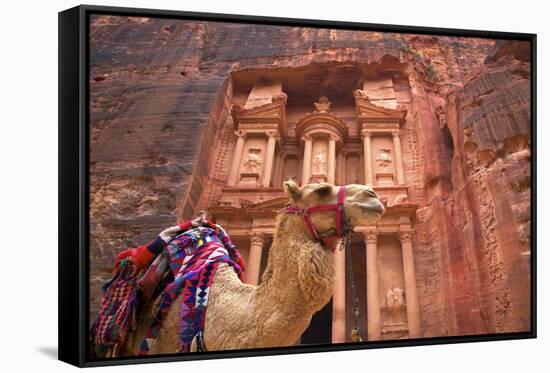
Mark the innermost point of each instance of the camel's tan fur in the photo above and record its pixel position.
(297, 282)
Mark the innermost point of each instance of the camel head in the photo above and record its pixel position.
(361, 204)
(314, 263)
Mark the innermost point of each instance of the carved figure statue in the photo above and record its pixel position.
(253, 160)
(395, 302)
(383, 158)
(319, 163)
(395, 298)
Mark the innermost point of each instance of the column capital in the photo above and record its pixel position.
(306, 138)
(366, 133)
(395, 133)
(257, 238)
(370, 235)
(406, 235)
(273, 133)
(333, 137)
(240, 133)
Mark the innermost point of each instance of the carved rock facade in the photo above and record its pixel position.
(184, 117)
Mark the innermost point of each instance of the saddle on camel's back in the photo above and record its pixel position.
(181, 260)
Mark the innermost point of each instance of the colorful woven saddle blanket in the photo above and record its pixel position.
(182, 248)
(194, 258)
(117, 311)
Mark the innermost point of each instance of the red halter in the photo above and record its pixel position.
(340, 219)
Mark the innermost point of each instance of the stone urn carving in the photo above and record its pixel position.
(323, 105)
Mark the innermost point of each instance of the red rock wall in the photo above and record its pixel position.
(474, 231)
(158, 85)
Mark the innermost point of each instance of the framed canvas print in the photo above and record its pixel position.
(236, 186)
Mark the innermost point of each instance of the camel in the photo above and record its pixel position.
(297, 281)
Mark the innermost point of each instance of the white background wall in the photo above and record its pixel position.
(28, 169)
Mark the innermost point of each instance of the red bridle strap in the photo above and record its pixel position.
(338, 209)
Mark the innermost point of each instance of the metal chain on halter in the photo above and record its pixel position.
(345, 244)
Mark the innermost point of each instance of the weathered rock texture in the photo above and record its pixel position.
(159, 97)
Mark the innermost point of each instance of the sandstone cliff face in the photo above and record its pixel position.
(475, 226)
(158, 85)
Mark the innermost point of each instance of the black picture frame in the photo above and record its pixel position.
(74, 176)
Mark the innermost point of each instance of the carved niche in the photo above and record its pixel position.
(253, 160)
(353, 175)
(251, 167)
(395, 302)
(290, 169)
(352, 169)
(383, 158)
(395, 315)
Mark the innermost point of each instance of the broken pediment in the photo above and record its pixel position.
(270, 113)
(369, 112)
(272, 204)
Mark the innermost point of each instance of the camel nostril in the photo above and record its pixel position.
(378, 207)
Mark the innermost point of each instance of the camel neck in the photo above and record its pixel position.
(292, 247)
(290, 233)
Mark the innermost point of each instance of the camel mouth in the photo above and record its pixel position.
(376, 208)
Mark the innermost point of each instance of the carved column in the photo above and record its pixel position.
(276, 163)
(411, 293)
(344, 171)
(367, 153)
(306, 171)
(398, 159)
(339, 298)
(340, 169)
(254, 262)
(270, 152)
(279, 166)
(234, 171)
(373, 292)
(331, 177)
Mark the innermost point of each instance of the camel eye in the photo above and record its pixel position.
(371, 193)
(324, 190)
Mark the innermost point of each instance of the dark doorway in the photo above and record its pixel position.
(320, 328)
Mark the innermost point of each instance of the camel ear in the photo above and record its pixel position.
(292, 190)
(324, 190)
